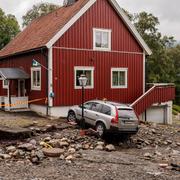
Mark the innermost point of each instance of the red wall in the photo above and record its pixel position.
(80, 35)
(25, 62)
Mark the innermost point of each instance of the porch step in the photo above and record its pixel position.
(20, 110)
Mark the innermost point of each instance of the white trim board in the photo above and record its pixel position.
(120, 12)
(70, 23)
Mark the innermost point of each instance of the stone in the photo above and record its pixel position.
(78, 146)
(86, 146)
(62, 157)
(27, 146)
(63, 144)
(40, 155)
(54, 143)
(163, 165)
(33, 142)
(52, 152)
(71, 150)
(16, 154)
(110, 147)
(158, 153)
(178, 144)
(175, 152)
(34, 160)
(5, 156)
(100, 143)
(70, 157)
(147, 155)
(10, 149)
(99, 147)
(47, 139)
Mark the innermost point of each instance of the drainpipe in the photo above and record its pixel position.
(47, 81)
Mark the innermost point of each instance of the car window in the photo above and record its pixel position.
(106, 110)
(127, 113)
(88, 105)
(96, 107)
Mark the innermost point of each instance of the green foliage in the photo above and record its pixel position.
(37, 11)
(176, 108)
(9, 28)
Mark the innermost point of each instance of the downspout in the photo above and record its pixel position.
(47, 82)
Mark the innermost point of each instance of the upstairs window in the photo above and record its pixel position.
(88, 72)
(36, 78)
(102, 39)
(119, 77)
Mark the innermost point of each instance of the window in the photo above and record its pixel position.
(96, 107)
(106, 110)
(88, 72)
(119, 77)
(5, 84)
(101, 39)
(36, 78)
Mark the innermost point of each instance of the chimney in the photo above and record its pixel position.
(69, 2)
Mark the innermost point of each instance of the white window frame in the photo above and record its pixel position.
(84, 68)
(94, 39)
(5, 86)
(36, 88)
(126, 78)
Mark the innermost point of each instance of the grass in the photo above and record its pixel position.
(176, 109)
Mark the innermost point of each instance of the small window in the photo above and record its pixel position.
(36, 78)
(96, 107)
(119, 78)
(88, 72)
(101, 39)
(5, 84)
(106, 110)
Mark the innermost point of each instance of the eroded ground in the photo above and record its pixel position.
(154, 153)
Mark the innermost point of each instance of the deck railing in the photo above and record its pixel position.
(157, 93)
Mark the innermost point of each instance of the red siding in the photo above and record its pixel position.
(80, 35)
(25, 62)
(158, 94)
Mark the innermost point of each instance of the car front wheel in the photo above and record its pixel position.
(71, 117)
(100, 128)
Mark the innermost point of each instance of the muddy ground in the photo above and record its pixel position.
(154, 153)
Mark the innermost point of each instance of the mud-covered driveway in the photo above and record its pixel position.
(154, 153)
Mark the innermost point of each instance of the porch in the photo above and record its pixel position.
(155, 105)
(15, 96)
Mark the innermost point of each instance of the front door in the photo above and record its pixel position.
(21, 88)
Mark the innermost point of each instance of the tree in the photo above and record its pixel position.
(160, 67)
(9, 28)
(37, 11)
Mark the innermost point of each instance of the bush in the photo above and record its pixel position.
(176, 108)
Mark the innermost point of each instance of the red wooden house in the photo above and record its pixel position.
(93, 37)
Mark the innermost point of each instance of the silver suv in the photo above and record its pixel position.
(106, 116)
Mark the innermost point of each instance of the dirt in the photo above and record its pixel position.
(146, 155)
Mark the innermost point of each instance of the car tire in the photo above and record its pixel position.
(101, 129)
(71, 117)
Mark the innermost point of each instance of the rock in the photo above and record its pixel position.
(54, 143)
(169, 141)
(110, 147)
(40, 155)
(62, 157)
(35, 160)
(78, 146)
(163, 165)
(178, 144)
(100, 143)
(47, 139)
(71, 150)
(27, 146)
(158, 153)
(10, 149)
(153, 131)
(175, 152)
(147, 155)
(5, 156)
(86, 146)
(70, 157)
(33, 142)
(52, 152)
(16, 154)
(63, 144)
(99, 147)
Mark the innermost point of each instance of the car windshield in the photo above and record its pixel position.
(127, 114)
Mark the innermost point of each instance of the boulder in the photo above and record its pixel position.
(27, 146)
(110, 147)
(52, 152)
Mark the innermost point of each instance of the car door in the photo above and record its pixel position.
(93, 113)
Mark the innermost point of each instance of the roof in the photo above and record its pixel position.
(46, 30)
(13, 73)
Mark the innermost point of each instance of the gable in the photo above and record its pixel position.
(100, 15)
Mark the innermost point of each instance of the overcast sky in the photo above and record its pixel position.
(166, 10)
